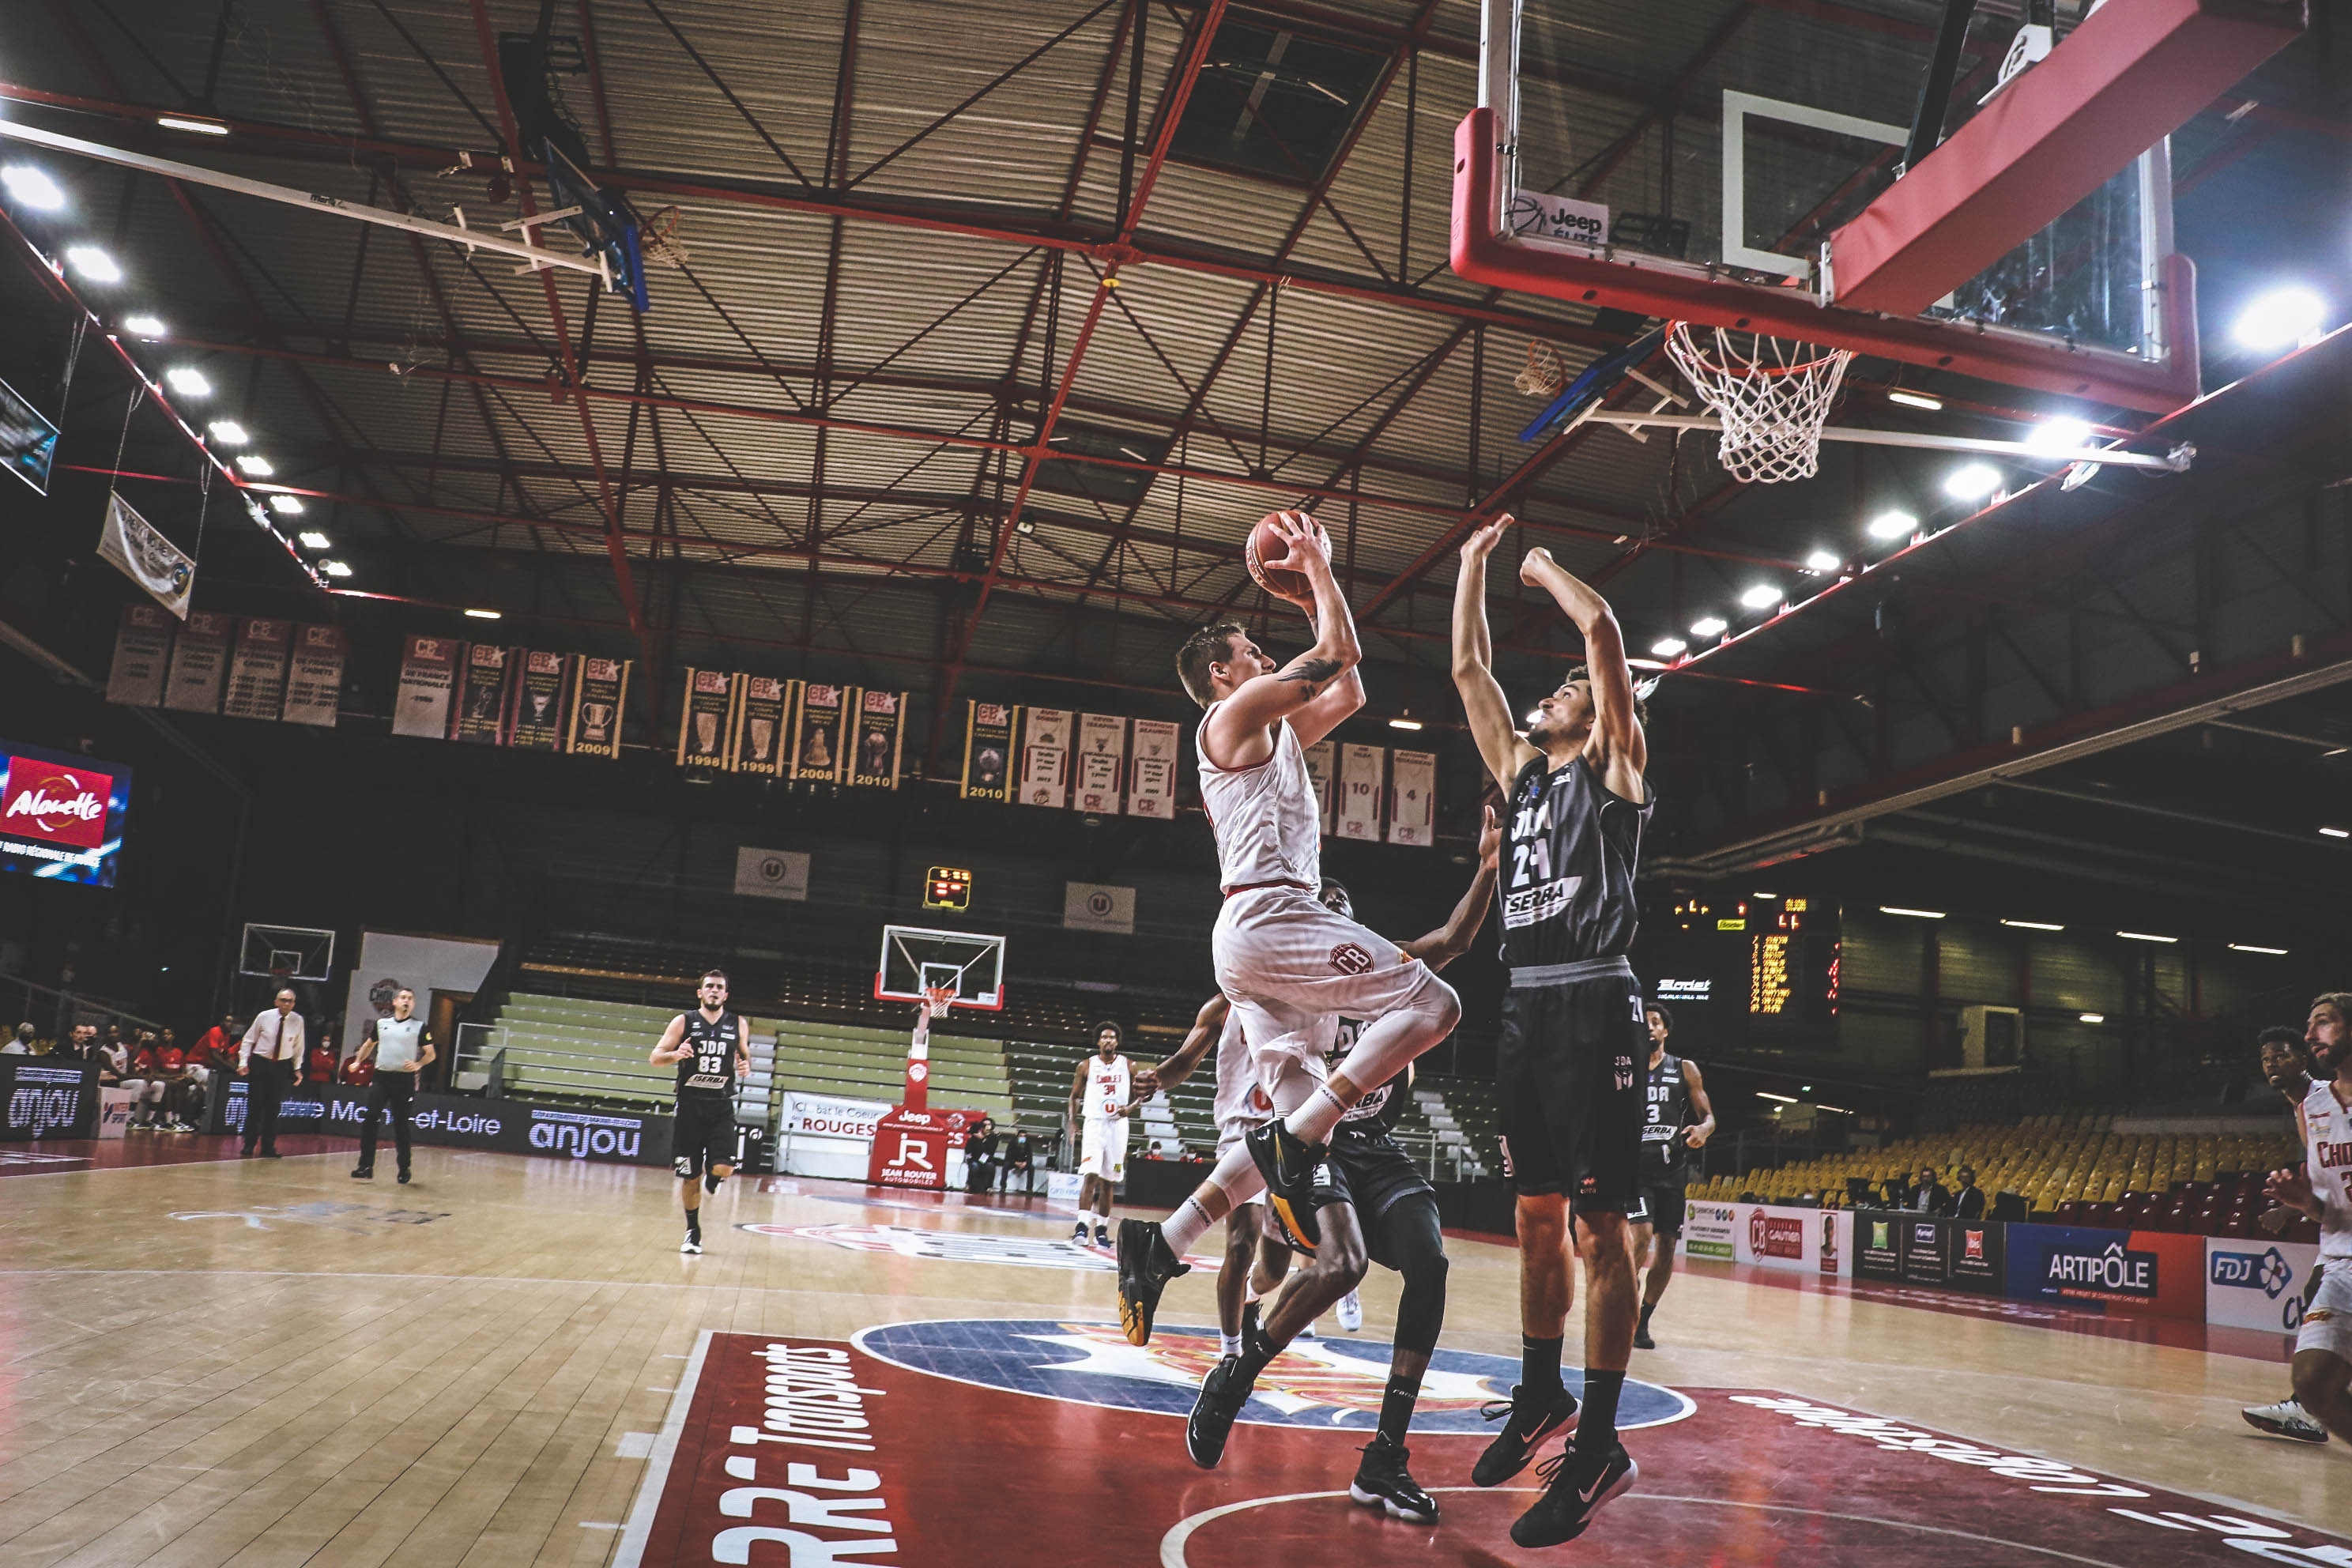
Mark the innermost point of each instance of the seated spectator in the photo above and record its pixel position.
(1156, 1152)
(1018, 1156)
(1930, 1195)
(151, 1082)
(1969, 1202)
(21, 1045)
(82, 1046)
(980, 1156)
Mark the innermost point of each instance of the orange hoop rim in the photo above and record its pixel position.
(1827, 355)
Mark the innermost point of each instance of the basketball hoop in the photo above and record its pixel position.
(937, 1000)
(1773, 397)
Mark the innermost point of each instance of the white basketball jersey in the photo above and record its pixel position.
(1238, 1098)
(1107, 1085)
(1267, 824)
(2327, 1143)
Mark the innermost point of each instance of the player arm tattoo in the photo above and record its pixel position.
(1311, 670)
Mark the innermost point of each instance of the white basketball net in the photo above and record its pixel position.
(937, 998)
(1772, 396)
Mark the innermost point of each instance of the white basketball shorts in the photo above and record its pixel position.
(1293, 969)
(2327, 1321)
(1102, 1149)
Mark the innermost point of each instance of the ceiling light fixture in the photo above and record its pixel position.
(200, 127)
(228, 431)
(1404, 721)
(1916, 400)
(2335, 833)
(1972, 481)
(1892, 525)
(188, 383)
(93, 264)
(2057, 437)
(285, 506)
(32, 187)
(1823, 561)
(260, 467)
(2281, 318)
(143, 326)
(1709, 626)
(2257, 947)
(1915, 914)
(314, 540)
(1668, 647)
(1783, 1099)
(2092, 1017)
(1762, 597)
(335, 568)
(485, 614)
(2032, 925)
(2146, 936)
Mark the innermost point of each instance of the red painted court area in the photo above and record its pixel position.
(801, 1451)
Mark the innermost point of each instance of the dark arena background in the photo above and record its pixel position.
(526, 502)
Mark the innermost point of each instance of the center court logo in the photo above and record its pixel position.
(1320, 1383)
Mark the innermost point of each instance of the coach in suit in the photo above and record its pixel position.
(269, 1058)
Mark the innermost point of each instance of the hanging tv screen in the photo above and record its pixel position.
(28, 442)
(62, 817)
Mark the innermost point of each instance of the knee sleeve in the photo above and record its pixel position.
(1438, 1002)
(1416, 1247)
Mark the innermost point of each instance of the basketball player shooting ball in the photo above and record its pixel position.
(1572, 1096)
(1289, 965)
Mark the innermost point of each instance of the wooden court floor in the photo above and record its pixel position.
(267, 1363)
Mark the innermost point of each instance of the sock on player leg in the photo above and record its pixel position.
(1396, 1406)
(1229, 1345)
(1381, 1052)
(1596, 1428)
(1539, 1363)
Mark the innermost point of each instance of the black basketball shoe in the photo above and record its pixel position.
(1145, 1266)
(1527, 1419)
(1287, 1163)
(1222, 1394)
(1575, 1486)
(1642, 1339)
(1382, 1481)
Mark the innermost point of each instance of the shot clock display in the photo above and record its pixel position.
(947, 888)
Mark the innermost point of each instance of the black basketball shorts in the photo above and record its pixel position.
(1370, 1173)
(1664, 1203)
(1572, 1091)
(702, 1135)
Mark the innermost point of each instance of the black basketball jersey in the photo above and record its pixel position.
(1662, 1145)
(1568, 868)
(1375, 1115)
(710, 1072)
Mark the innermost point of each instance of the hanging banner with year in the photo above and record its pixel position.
(988, 750)
(881, 734)
(817, 734)
(706, 720)
(1151, 772)
(598, 695)
(143, 651)
(314, 676)
(428, 678)
(1045, 756)
(481, 715)
(767, 706)
(1358, 810)
(1102, 763)
(1412, 798)
(539, 684)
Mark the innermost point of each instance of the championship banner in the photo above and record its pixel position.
(540, 680)
(199, 664)
(1151, 776)
(766, 710)
(256, 674)
(988, 750)
(1045, 756)
(1322, 765)
(1102, 760)
(594, 729)
(1358, 808)
(817, 732)
(130, 543)
(143, 652)
(705, 721)
(881, 736)
(314, 676)
(1412, 798)
(428, 677)
(481, 716)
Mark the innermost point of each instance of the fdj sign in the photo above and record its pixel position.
(2268, 1271)
(2115, 1270)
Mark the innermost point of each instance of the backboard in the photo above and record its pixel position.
(915, 957)
(2031, 245)
(287, 952)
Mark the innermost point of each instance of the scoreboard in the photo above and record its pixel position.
(1758, 971)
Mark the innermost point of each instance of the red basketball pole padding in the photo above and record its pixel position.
(1689, 293)
(2131, 74)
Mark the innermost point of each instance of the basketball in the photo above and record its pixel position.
(1265, 552)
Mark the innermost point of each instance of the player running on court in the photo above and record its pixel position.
(2322, 1189)
(1287, 964)
(712, 1050)
(1679, 1120)
(1570, 1092)
(1373, 1205)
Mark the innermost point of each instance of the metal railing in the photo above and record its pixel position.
(54, 1013)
